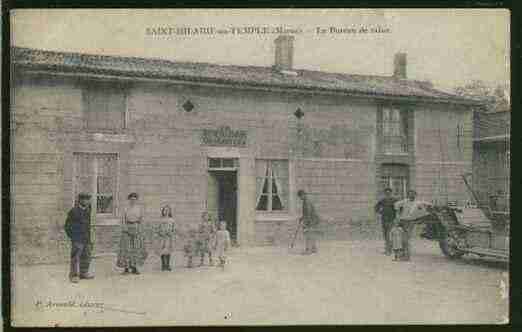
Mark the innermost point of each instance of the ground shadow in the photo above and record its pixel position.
(466, 260)
(484, 262)
(470, 259)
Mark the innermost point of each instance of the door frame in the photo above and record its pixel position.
(237, 170)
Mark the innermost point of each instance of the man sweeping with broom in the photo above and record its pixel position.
(310, 222)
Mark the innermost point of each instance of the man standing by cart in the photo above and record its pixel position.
(310, 221)
(409, 210)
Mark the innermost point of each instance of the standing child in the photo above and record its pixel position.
(206, 234)
(222, 243)
(190, 246)
(165, 234)
(396, 234)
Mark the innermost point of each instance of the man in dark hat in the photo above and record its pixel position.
(78, 229)
(385, 207)
(310, 221)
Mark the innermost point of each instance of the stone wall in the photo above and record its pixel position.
(442, 152)
(40, 110)
(331, 152)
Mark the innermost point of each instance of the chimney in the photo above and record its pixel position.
(399, 66)
(284, 52)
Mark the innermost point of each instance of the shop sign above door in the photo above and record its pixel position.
(224, 136)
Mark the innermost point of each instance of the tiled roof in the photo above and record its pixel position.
(228, 74)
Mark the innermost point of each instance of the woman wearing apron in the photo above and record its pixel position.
(132, 252)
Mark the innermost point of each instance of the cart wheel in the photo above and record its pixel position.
(448, 245)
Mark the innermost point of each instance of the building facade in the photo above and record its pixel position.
(491, 158)
(236, 141)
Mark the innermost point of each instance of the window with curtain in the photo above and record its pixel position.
(104, 106)
(394, 131)
(272, 185)
(96, 174)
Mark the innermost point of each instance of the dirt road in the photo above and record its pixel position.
(346, 283)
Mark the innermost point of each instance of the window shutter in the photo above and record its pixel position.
(105, 106)
(380, 130)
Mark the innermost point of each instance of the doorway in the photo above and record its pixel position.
(222, 199)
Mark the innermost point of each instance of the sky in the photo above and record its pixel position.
(449, 47)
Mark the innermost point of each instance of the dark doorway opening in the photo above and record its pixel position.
(223, 199)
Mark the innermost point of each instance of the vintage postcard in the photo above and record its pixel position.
(260, 167)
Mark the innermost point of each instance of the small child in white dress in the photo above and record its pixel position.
(222, 243)
(396, 234)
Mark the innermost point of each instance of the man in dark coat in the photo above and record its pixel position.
(385, 207)
(310, 221)
(78, 229)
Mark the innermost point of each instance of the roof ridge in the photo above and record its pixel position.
(131, 57)
(271, 68)
(53, 60)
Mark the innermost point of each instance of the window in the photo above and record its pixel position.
(223, 163)
(272, 185)
(104, 107)
(395, 176)
(394, 131)
(96, 174)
